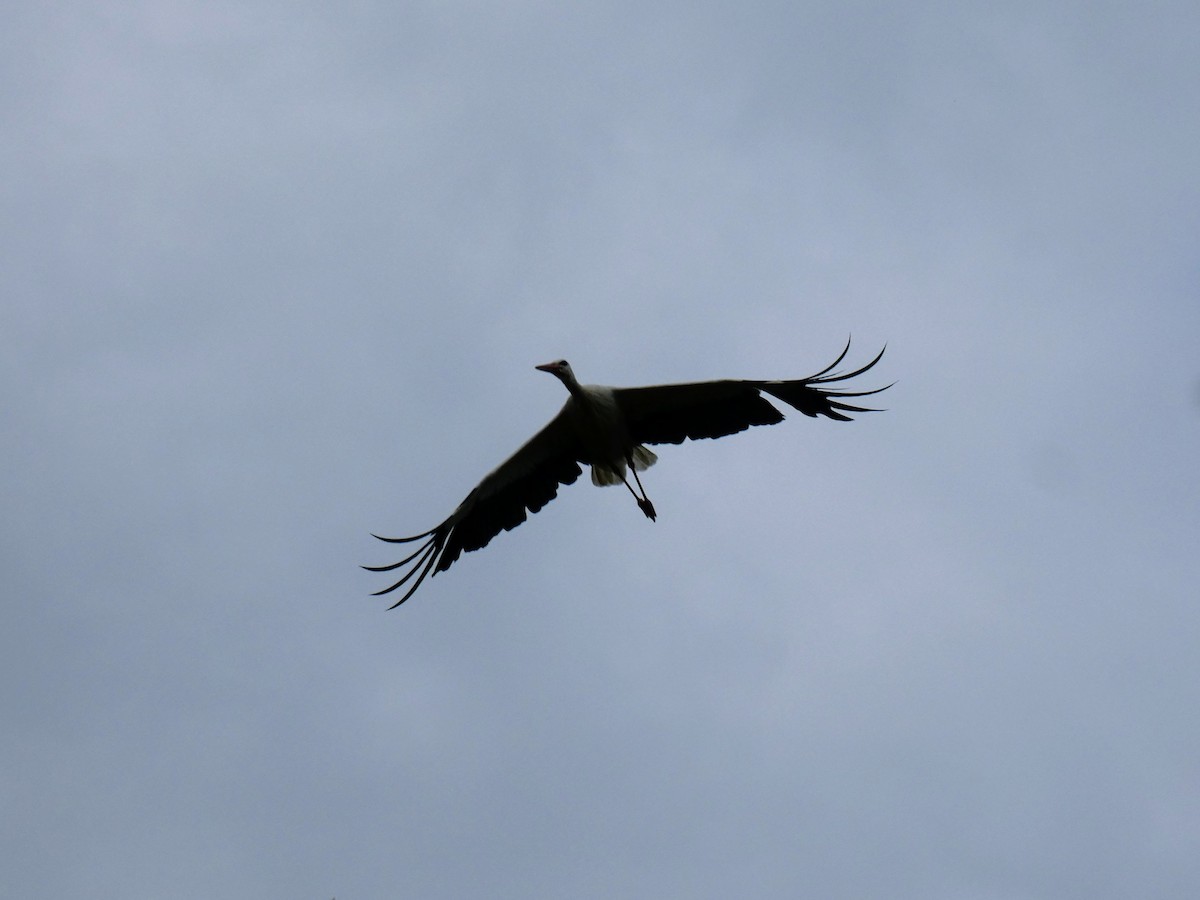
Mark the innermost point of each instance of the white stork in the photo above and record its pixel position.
(606, 428)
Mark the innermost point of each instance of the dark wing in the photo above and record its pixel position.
(527, 480)
(672, 413)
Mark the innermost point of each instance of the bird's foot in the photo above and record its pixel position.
(647, 507)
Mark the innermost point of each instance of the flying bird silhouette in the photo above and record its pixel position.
(607, 428)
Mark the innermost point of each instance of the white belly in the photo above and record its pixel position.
(601, 429)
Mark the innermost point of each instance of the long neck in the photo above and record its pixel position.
(572, 385)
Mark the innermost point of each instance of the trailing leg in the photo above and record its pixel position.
(643, 501)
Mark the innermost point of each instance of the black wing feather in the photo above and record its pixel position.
(526, 481)
(811, 397)
(672, 413)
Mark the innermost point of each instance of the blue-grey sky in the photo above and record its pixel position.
(275, 276)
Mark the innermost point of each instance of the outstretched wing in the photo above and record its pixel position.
(672, 413)
(527, 480)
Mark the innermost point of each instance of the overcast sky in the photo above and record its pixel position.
(275, 276)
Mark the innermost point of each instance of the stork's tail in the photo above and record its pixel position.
(606, 475)
(642, 458)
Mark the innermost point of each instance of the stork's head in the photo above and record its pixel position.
(560, 369)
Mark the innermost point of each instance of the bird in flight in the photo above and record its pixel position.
(607, 429)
